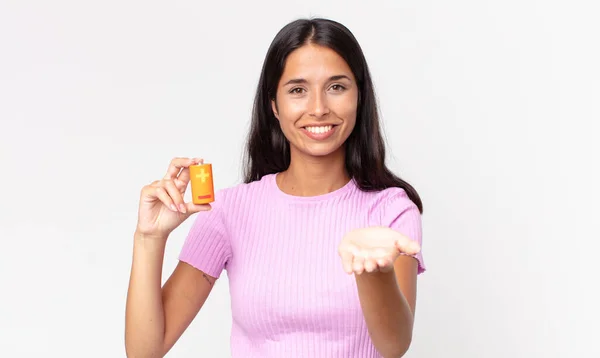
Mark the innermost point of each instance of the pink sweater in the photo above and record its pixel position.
(289, 294)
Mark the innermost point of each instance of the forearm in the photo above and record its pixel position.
(387, 313)
(144, 318)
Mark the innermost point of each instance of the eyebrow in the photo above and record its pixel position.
(302, 80)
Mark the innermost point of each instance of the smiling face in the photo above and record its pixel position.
(316, 101)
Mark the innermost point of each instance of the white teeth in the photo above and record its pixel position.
(320, 129)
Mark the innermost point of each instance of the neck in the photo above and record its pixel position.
(312, 176)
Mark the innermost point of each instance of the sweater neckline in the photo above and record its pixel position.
(272, 178)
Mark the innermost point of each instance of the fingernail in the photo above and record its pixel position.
(173, 207)
(182, 208)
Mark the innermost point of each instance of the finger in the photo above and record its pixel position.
(176, 165)
(175, 195)
(358, 265)
(148, 193)
(383, 262)
(165, 198)
(385, 265)
(182, 181)
(370, 265)
(192, 208)
(346, 261)
(408, 246)
(184, 176)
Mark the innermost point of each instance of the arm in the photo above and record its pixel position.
(388, 303)
(156, 317)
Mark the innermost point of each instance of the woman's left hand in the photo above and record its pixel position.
(374, 249)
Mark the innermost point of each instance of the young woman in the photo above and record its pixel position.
(321, 243)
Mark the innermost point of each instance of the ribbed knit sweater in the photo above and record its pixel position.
(290, 296)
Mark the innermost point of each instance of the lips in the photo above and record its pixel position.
(321, 132)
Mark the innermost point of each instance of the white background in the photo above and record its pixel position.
(490, 109)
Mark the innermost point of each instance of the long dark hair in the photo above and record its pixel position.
(267, 149)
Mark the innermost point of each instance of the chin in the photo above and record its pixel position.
(321, 150)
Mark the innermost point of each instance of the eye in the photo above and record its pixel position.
(338, 87)
(296, 90)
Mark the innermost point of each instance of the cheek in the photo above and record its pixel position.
(346, 108)
(345, 104)
(290, 112)
(292, 108)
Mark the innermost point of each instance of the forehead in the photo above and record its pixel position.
(314, 62)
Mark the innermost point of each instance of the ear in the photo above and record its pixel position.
(274, 107)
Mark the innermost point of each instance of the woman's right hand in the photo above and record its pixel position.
(161, 207)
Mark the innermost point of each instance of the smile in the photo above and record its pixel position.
(319, 132)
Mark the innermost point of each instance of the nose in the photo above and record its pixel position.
(318, 105)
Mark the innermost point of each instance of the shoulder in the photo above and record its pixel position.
(390, 201)
(390, 207)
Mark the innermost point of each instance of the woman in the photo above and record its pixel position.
(321, 243)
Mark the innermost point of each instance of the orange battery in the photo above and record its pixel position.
(201, 180)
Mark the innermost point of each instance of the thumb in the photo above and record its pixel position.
(192, 208)
(408, 246)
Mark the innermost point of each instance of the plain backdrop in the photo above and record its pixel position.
(490, 110)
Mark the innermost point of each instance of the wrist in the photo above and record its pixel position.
(148, 251)
(377, 276)
(143, 238)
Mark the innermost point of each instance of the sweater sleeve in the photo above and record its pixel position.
(207, 245)
(401, 214)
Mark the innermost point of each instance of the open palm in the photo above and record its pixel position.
(373, 249)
